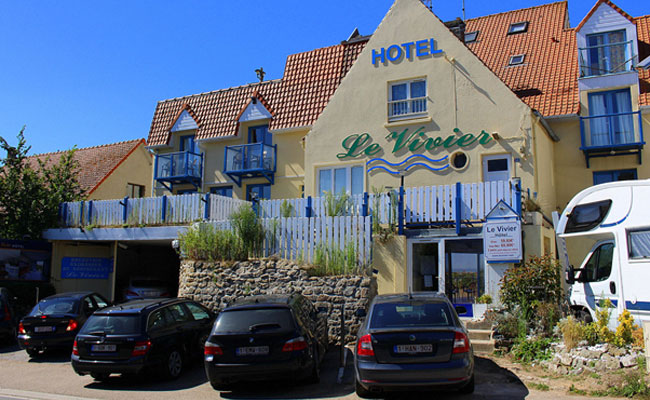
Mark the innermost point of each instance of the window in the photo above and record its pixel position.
(187, 143)
(134, 191)
(606, 53)
(517, 60)
(407, 99)
(471, 37)
(518, 27)
(225, 191)
(259, 134)
(611, 121)
(157, 320)
(258, 192)
(101, 303)
(638, 243)
(197, 311)
(613, 176)
(599, 266)
(587, 216)
(344, 179)
(179, 313)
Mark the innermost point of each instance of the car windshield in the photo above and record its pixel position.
(397, 315)
(124, 324)
(255, 320)
(59, 305)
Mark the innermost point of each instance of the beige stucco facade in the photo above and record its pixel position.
(135, 169)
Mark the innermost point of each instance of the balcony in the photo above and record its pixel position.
(612, 135)
(250, 161)
(182, 167)
(410, 108)
(605, 59)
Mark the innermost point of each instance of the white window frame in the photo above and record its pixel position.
(518, 27)
(520, 57)
(348, 178)
(409, 101)
(471, 37)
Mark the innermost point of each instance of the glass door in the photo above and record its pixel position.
(424, 268)
(464, 271)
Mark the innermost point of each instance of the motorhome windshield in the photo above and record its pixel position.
(587, 216)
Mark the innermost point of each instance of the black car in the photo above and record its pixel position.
(264, 338)
(8, 318)
(128, 338)
(55, 320)
(412, 341)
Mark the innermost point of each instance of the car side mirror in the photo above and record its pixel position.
(460, 310)
(570, 275)
(360, 313)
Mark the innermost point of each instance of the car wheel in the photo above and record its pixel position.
(361, 391)
(174, 364)
(314, 376)
(469, 387)
(584, 316)
(32, 352)
(100, 376)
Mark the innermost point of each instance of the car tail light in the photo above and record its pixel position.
(7, 314)
(461, 343)
(141, 348)
(72, 325)
(166, 294)
(295, 344)
(21, 329)
(212, 349)
(364, 347)
(75, 349)
(43, 316)
(132, 293)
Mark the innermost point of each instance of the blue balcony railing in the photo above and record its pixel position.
(606, 59)
(250, 161)
(182, 167)
(612, 134)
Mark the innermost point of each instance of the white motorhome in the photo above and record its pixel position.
(610, 223)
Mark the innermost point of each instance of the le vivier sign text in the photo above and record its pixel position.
(362, 144)
(395, 52)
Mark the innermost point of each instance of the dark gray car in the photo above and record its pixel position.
(412, 341)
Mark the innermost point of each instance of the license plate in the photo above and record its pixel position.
(414, 348)
(252, 351)
(40, 329)
(103, 347)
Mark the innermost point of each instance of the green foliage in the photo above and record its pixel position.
(248, 227)
(532, 284)
(30, 195)
(634, 385)
(381, 232)
(331, 260)
(484, 299)
(511, 324)
(532, 349)
(336, 205)
(204, 242)
(572, 331)
(286, 209)
(625, 329)
(542, 387)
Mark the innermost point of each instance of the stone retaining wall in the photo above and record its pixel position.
(216, 284)
(599, 358)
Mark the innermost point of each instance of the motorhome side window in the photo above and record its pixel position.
(599, 266)
(587, 216)
(638, 243)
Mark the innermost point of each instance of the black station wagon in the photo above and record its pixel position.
(142, 334)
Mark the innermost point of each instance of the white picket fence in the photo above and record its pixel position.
(298, 238)
(147, 211)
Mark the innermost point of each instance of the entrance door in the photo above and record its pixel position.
(496, 168)
(424, 268)
(464, 271)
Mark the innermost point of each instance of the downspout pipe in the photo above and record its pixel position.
(546, 126)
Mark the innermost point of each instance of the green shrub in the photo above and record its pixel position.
(484, 299)
(510, 324)
(331, 260)
(634, 384)
(532, 349)
(572, 331)
(286, 209)
(248, 227)
(204, 242)
(336, 205)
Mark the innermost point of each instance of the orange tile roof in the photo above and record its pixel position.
(595, 7)
(95, 163)
(643, 32)
(547, 81)
(296, 100)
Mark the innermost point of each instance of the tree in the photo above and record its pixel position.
(30, 198)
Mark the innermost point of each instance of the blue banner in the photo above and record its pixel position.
(86, 267)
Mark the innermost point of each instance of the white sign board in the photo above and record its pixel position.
(502, 241)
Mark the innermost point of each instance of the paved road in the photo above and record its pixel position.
(50, 377)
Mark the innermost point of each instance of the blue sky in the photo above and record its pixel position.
(87, 73)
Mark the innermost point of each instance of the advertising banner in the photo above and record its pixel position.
(502, 241)
(86, 267)
(25, 260)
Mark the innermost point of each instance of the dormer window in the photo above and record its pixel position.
(471, 37)
(518, 27)
(517, 60)
(606, 53)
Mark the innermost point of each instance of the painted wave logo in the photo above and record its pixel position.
(431, 165)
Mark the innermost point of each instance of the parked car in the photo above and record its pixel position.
(128, 338)
(146, 288)
(412, 341)
(8, 317)
(55, 320)
(264, 338)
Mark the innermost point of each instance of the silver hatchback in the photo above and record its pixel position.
(412, 341)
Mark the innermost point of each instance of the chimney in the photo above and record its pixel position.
(457, 27)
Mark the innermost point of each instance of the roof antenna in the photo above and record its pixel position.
(463, 10)
(260, 74)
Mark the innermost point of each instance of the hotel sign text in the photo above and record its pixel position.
(395, 52)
